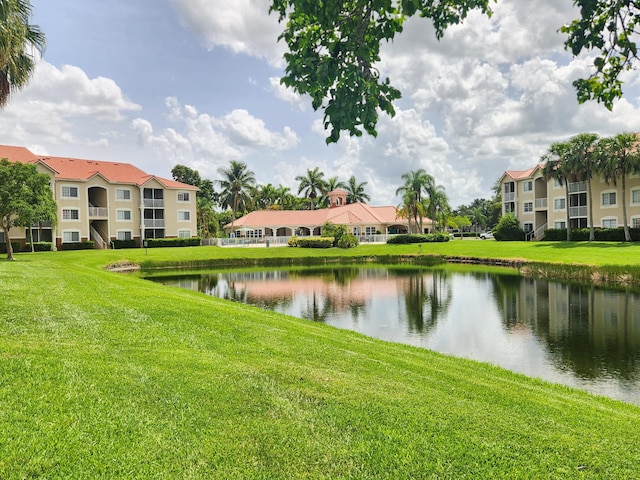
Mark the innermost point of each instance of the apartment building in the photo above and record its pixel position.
(106, 201)
(541, 204)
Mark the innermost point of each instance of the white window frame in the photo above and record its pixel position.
(527, 186)
(527, 227)
(527, 207)
(609, 219)
(71, 232)
(254, 233)
(184, 233)
(124, 234)
(124, 211)
(635, 191)
(123, 191)
(608, 193)
(182, 194)
(560, 224)
(561, 199)
(76, 210)
(184, 215)
(68, 189)
(357, 231)
(370, 230)
(635, 222)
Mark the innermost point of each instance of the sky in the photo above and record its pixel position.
(157, 83)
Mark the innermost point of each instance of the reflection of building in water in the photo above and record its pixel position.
(593, 330)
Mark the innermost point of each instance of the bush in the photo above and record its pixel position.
(293, 242)
(582, 234)
(84, 245)
(173, 242)
(124, 244)
(418, 238)
(337, 232)
(347, 241)
(315, 242)
(41, 246)
(508, 229)
(17, 246)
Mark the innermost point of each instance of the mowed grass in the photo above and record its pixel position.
(105, 375)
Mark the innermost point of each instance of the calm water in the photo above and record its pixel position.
(579, 336)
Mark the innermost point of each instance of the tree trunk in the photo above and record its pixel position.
(627, 233)
(566, 190)
(592, 231)
(5, 229)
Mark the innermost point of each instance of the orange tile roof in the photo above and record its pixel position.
(81, 170)
(521, 174)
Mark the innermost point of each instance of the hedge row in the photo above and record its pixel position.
(311, 242)
(84, 245)
(419, 238)
(173, 242)
(124, 244)
(582, 234)
(16, 247)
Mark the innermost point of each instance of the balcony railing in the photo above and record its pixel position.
(98, 212)
(154, 203)
(577, 212)
(541, 203)
(153, 223)
(508, 197)
(577, 187)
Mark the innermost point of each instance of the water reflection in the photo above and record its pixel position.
(580, 336)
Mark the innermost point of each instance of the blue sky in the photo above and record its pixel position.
(161, 82)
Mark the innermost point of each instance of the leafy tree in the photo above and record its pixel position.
(206, 196)
(236, 182)
(17, 38)
(334, 48)
(508, 229)
(25, 198)
(620, 157)
(184, 174)
(458, 222)
(312, 185)
(355, 191)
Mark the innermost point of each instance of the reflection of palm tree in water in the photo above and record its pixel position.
(425, 301)
(319, 309)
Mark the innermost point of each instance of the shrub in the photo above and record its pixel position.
(173, 242)
(16, 247)
(347, 241)
(315, 242)
(41, 246)
(293, 242)
(418, 238)
(582, 234)
(124, 244)
(84, 245)
(335, 231)
(508, 229)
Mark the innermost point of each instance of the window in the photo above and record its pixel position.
(635, 196)
(70, 236)
(556, 183)
(184, 215)
(370, 230)
(527, 207)
(123, 194)
(70, 214)
(123, 215)
(527, 186)
(252, 233)
(559, 204)
(527, 227)
(609, 223)
(609, 199)
(124, 235)
(184, 233)
(559, 224)
(183, 196)
(635, 222)
(69, 192)
(357, 231)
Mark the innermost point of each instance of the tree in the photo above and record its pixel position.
(206, 196)
(25, 198)
(508, 229)
(334, 48)
(416, 183)
(620, 158)
(312, 185)
(583, 157)
(332, 184)
(184, 174)
(236, 182)
(558, 168)
(355, 191)
(17, 38)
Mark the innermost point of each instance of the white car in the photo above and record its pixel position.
(486, 235)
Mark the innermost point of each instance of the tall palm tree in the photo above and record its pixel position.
(416, 184)
(313, 185)
(18, 38)
(236, 183)
(583, 159)
(355, 191)
(558, 167)
(621, 157)
(439, 208)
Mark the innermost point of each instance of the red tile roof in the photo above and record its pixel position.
(81, 170)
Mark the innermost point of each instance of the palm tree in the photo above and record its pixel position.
(313, 185)
(236, 184)
(17, 38)
(355, 191)
(439, 208)
(558, 168)
(416, 183)
(332, 184)
(620, 158)
(583, 159)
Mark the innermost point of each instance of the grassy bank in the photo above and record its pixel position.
(107, 375)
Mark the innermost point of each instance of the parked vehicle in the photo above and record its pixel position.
(486, 235)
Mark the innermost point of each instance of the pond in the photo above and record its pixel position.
(579, 336)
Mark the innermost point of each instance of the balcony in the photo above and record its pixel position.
(508, 197)
(153, 223)
(154, 202)
(577, 187)
(98, 212)
(577, 212)
(541, 203)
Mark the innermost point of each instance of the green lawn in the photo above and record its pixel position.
(105, 375)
